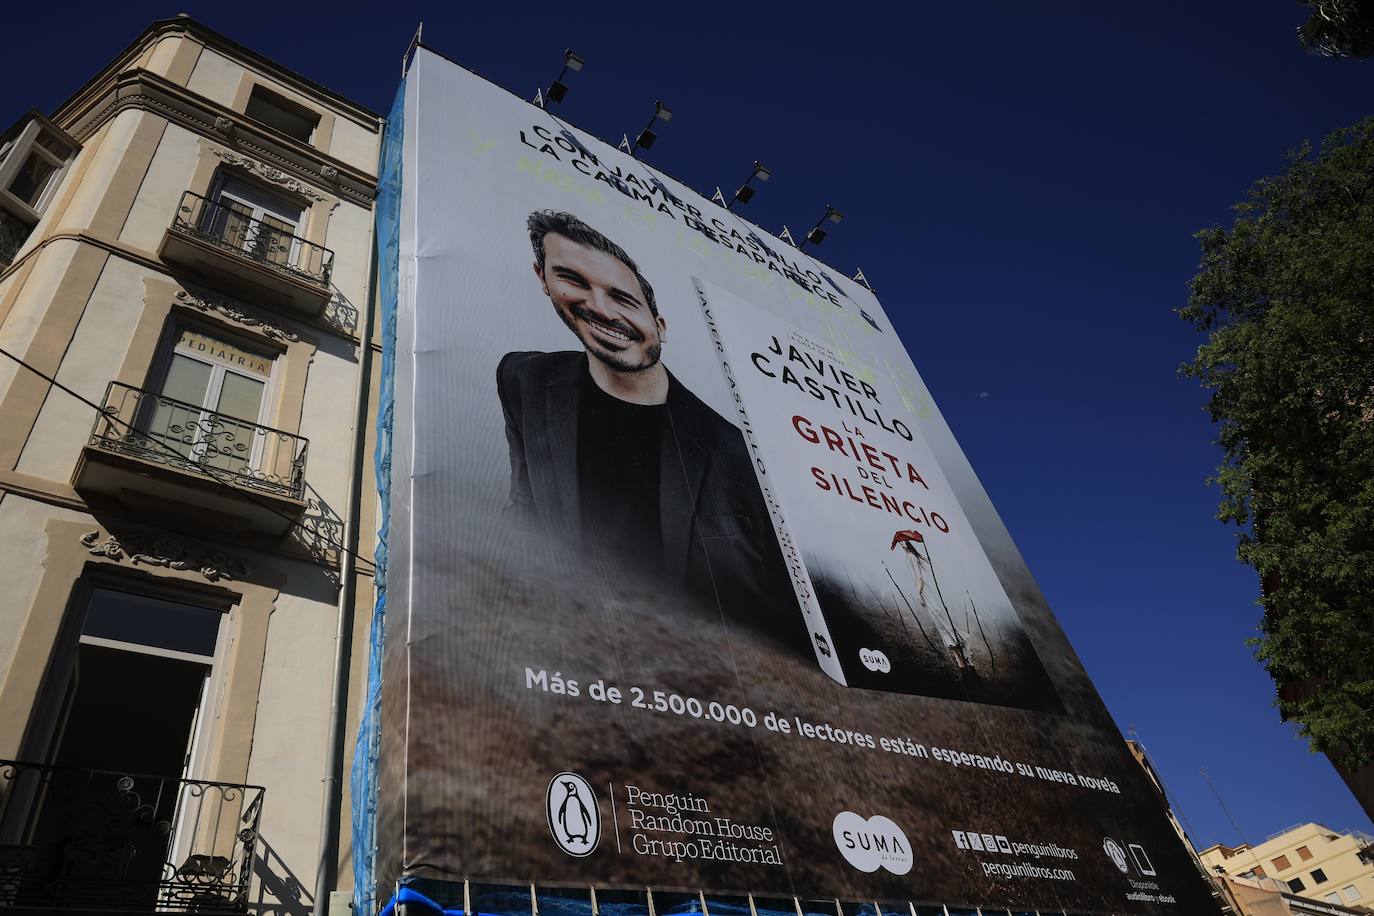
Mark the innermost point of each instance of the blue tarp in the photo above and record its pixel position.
(363, 780)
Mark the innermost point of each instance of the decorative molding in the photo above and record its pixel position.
(224, 125)
(274, 175)
(168, 552)
(236, 315)
(329, 173)
(139, 89)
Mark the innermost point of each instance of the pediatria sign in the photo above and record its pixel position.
(690, 585)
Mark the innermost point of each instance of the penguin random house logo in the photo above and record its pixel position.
(872, 843)
(1114, 852)
(574, 815)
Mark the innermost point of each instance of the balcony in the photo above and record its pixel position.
(165, 457)
(260, 262)
(122, 842)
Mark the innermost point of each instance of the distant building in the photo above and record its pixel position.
(1307, 860)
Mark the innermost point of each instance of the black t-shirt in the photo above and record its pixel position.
(618, 475)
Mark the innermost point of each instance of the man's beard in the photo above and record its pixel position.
(616, 359)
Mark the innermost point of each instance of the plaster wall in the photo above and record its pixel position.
(355, 145)
(100, 173)
(350, 238)
(23, 320)
(163, 53)
(216, 77)
(288, 746)
(22, 549)
(92, 360)
(326, 420)
(159, 195)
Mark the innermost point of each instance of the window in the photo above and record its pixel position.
(1352, 893)
(1280, 863)
(1304, 853)
(128, 691)
(33, 154)
(264, 225)
(1296, 886)
(214, 396)
(280, 113)
(1318, 876)
(1333, 898)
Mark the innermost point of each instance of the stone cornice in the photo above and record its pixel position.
(185, 25)
(146, 91)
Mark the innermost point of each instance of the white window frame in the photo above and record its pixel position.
(173, 345)
(15, 154)
(196, 759)
(260, 201)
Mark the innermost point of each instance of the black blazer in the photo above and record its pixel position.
(718, 541)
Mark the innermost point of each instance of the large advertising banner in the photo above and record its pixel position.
(689, 585)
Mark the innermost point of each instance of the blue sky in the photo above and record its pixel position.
(1020, 183)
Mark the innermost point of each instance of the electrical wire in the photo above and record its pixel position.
(206, 470)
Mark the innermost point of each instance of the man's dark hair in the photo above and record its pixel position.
(542, 222)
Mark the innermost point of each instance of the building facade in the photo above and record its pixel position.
(185, 272)
(1306, 860)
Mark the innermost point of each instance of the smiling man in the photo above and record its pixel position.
(613, 452)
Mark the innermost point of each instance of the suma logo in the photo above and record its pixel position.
(875, 660)
(574, 816)
(872, 843)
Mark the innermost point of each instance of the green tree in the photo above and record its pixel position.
(1339, 28)
(1286, 299)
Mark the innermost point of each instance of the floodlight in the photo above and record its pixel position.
(558, 89)
(746, 193)
(647, 136)
(817, 234)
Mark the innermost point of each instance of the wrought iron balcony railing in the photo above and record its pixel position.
(233, 229)
(93, 839)
(162, 430)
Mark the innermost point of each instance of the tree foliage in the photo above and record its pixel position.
(1286, 299)
(1339, 28)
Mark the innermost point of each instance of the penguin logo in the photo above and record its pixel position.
(574, 815)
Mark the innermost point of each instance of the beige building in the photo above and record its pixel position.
(186, 244)
(1306, 860)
